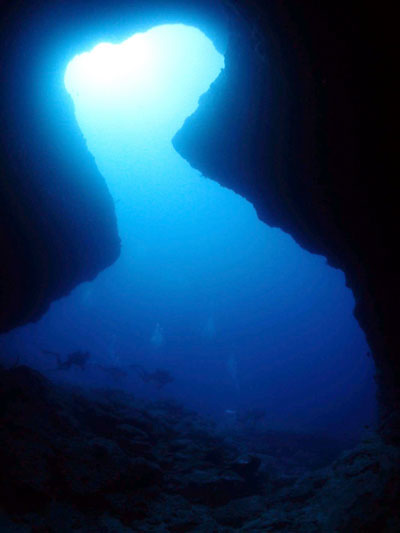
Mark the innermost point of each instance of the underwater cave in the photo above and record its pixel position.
(186, 345)
(202, 288)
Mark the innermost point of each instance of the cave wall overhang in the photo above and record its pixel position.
(298, 124)
(57, 221)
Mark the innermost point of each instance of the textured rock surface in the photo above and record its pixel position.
(105, 452)
(298, 124)
(104, 461)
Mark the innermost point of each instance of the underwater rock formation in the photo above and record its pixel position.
(57, 220)
(74, 460)
(296, 124)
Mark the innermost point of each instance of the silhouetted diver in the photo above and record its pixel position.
(77, 358)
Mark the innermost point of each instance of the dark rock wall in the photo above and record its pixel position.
(57, 221)
(298, 124)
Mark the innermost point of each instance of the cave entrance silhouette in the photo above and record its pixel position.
(235, 310)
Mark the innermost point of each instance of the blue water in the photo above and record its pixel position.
(236, 311)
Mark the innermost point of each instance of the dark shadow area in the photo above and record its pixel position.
(103, 460)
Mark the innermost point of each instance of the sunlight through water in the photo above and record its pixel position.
(202, 288)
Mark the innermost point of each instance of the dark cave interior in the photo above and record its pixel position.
(317, 167)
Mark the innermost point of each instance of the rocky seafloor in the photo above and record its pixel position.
(105, 461)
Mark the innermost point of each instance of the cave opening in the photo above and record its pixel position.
(236, 312)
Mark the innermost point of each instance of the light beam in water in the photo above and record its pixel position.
(160, 72)
(108, 67)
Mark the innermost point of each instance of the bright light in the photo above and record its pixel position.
(109, 66)
(153, 78)
(145, 61)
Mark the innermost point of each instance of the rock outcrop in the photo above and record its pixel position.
(57, 221)
(74, 460)
(297, 124)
